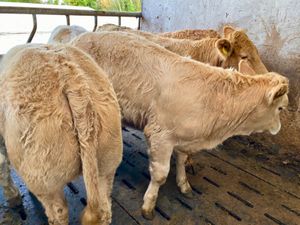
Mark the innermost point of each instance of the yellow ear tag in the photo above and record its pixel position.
(224, 51)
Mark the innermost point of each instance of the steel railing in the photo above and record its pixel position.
(37, 9)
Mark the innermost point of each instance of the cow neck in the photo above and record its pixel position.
(206, 52)
(235, 95)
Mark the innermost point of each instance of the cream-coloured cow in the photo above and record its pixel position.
(182, 105)
(224, 52)
(59, 118)
(64, 34)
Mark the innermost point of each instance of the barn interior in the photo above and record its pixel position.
(245, 180)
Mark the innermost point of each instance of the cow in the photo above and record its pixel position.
(182, 105)
(180, 34)
(64, 34)
(191, 34)
(223, 52)
(59, 119)
(112, 27)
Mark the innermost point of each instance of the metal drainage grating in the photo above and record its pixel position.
(227, 191)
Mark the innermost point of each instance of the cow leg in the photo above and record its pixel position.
(102, 215)
(11, 193)
(181, 177)
(107, 201)
(160, 156)
(110, 181)
(56, 207)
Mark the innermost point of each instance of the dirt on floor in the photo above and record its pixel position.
(288, 163)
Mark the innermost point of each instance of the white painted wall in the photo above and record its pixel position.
(273, 25)
(259, 17)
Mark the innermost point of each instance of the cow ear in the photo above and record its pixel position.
(227, 30)
(224, 47)
(245, 68)
(276, 92)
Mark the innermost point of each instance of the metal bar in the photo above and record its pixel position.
(68, 19)
(33, 28)
(62, 11)
(96, 23)
(119, 21)
(139, 23)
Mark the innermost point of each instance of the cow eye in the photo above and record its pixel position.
(280, 108)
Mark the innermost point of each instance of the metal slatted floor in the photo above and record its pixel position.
(227, 190)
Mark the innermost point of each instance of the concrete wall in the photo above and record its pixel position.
(273, 25)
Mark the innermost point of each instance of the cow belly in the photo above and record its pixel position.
(134, 117)
(195, 146)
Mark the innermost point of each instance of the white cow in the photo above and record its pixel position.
(64, 34)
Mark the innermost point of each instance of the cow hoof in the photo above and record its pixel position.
(15, 202)
(148, 215)
(188, 194)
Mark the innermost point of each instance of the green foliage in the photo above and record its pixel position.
(89, 3)
(52, 2)
(120, 5)
(22, 1)
(108, 5)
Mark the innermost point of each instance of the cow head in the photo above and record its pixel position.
(242, 48)
(266, 115)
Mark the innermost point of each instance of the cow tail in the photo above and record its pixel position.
(87, 127)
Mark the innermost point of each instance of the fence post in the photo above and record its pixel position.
(95, 22)
(119, 22)
(33, 28)
(68, 19)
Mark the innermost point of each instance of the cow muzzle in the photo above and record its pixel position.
(274, 130)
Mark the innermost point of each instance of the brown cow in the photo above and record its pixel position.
(112, 27)
(60, 118)
(181, 34)
(224, 52)
(191, 34)
(181, 104)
